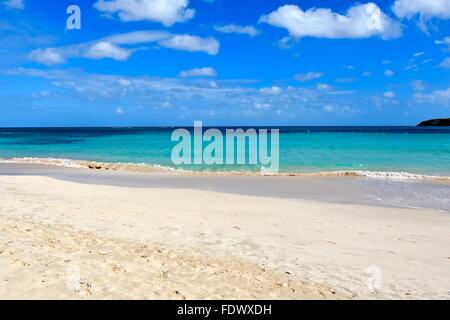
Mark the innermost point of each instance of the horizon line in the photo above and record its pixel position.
(206, 126)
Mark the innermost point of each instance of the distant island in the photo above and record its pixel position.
(435, 123)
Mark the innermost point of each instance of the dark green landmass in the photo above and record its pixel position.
(435, 123)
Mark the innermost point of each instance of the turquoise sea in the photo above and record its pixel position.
(302, 149)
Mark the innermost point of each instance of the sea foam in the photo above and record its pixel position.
(156, 168)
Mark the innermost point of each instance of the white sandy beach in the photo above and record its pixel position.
(61, 239)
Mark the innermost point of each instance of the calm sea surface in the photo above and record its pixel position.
(302, 149)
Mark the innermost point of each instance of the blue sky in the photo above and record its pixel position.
(225, 62)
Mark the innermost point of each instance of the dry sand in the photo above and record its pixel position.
(62, 239)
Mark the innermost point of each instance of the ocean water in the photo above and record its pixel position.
(302, 149)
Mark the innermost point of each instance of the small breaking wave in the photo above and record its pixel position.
(155, 168)
(87, 164)
(394, 175)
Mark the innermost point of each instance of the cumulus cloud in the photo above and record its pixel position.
(198, 72)
(233, 28)
(192, 43)
(425, 8)
(360, 21)
(101, 50)
(48, 56)
(15, 4)
(308, 76)
(117, 46)
(167, 12)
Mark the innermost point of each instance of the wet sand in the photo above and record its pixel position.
(344, 190)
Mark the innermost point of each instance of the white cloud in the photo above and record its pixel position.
(366, 74)
(445, 42)
(113, 46)
(190, 97)
(192, 43)
(308, 76)
(233, 28)
(360, 21)
(419, 54)
(286, 42)
(425, 8)
(119, 111)
(101, 50)
(389, 94)
(167, 12)
(178, 42)
(436, 97)
(411, 65)
(324, 87)
(15, 4)
(271, 90)
(94, 50)
(388, 73)
(48, 56)
(338, 109)
(199, 72)
(445, 63)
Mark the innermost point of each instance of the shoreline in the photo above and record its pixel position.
(155, 168)
(395, 193)
(326, 247)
